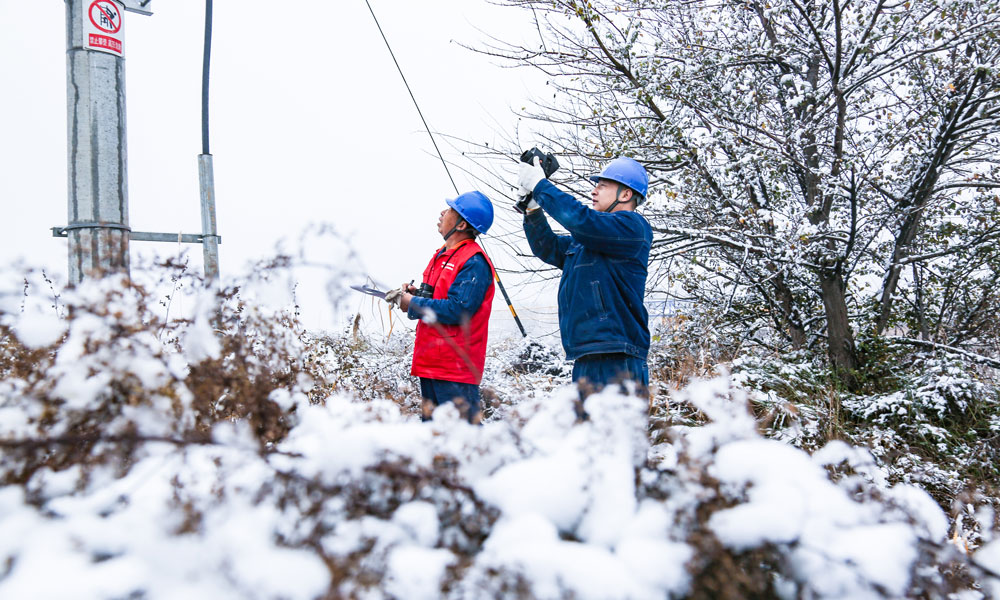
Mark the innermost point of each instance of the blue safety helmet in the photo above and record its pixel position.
(628, 172)
(475, 208)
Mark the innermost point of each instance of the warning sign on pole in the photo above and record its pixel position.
(102, 27)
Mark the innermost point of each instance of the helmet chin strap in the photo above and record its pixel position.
(618, 197)
(453, 230)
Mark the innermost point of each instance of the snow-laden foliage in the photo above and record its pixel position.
(943, 390)
(819, 170)
(233, 455)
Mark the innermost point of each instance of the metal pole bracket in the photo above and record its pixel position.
(138, 236)
(138, 6)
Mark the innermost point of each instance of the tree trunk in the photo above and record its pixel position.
(903, 240)
(918, 298)
(843, 353)
(790, 316)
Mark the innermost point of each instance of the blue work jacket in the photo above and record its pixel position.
(604, 265)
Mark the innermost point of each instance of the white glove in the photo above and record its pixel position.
(532, 205)
(394, 296)
(528, 177)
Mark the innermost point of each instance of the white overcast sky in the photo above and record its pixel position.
(310, 123)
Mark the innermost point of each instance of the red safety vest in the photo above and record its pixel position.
(433, 356)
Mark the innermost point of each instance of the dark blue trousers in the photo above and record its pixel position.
(602, 369)
(440, 391)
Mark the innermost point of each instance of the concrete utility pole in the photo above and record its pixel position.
(98, 231)
(209, 236)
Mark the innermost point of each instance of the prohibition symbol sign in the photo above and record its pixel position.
(105, 16)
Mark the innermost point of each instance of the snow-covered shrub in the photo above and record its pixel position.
(940, 395)
(945, 408)
(686, 345)
(368, 367)
(946, 389)
(792, 397)
(535, 357)
(115, 374)
(928, 420)
(779, 526)
(794, 376)
(228, 455)
(517, 368)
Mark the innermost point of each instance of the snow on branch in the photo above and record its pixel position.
(976, 358)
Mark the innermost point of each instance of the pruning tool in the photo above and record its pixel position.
(364, 289)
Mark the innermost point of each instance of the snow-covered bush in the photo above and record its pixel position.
(116, 374)
(936, 428)
(940, 391)
(685, 345)
(928, 421)
(229, 455)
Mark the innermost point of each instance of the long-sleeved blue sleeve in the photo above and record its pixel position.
(622, 233)
(465, 295)
(544, 242)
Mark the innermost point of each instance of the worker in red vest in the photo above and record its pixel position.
(453, 304)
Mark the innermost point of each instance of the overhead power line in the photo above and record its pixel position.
(412, 97)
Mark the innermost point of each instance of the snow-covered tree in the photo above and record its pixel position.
(820, 168)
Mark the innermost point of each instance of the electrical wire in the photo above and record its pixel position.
(206, 60)
(412, 97)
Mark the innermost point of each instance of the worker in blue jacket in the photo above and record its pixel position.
(602, 319)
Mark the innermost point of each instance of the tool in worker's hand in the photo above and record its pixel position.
(425, 291)
(549, 166)
(364, 289)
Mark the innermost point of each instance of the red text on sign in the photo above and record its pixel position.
(103, 41)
